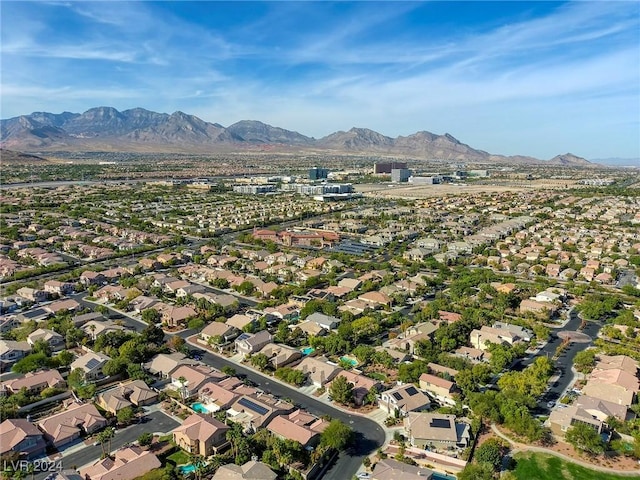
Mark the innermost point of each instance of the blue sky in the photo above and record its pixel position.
(538, 78)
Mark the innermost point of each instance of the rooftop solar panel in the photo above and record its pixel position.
(440, 423)
(93, 363)
(412, 391)
(259, 409)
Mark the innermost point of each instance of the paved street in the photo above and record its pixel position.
(369, 435)
(78, 456)
(564, 362)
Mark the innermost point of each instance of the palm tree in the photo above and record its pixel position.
(104, 437)
(183, 382)
(234, 435)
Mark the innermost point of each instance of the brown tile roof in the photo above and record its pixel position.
(127, 464)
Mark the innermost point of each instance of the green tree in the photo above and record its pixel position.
(337, 435)
(341, 390)
(585, 438)
(476, 471)
(151, 316)
(145, 439)
(260, 361)
(125, 415)
(489, 452)
(585, 360)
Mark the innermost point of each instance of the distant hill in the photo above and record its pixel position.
(570, 160)
(10, 156)
(140, 130)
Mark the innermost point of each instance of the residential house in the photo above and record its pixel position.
(32, 294)
(389, 469)
(614, 385)
(309, 328)
(142, 303)
(319, 372)
(35, 382)
(533, 306)
(91, 278)
(436, 430)
(286, 312)
(126, 464)
(136, 392)
(250, 343)
(239, 321)
(439, 387)
(56, 287)
(176, 316)
(91, 364)
(361, 385)
(55, 341)
(216, 396)
(602, 409)
(69, 424)
(34, 314)
(95, 328)
(328, 322)
(474, 355)
(68, 304)
(8, 323)
(449, 317)
(403, 399)
(195, 376)
(12, 351)
(300, 426)
(22, 437)
(561, 419)
(201, 435)
(252, 470)
(280, 355)
(408, 340)
(398, 356)
(488, 335)
(80, 320)
(165, 363)
(257, 410)
(191, 289)
(376, 298)
(218, 330)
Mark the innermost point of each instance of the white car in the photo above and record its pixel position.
(363, 476)
(551, 404)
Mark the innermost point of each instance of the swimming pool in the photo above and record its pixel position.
(199, 407)
(442, 476)
(186, 469)
(307, 350)
(350, 361)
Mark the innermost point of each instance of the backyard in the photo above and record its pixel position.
(537, 466)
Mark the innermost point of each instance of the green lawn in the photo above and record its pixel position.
(179, 457)
(538, 466)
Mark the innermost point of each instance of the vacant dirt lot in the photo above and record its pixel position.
(424, 191)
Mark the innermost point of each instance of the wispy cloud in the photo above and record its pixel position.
(314, 67)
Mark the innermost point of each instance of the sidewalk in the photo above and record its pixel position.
(376, 415)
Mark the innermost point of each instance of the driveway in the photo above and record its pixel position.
(156, 422)
(369, 435)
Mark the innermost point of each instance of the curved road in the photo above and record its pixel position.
(369, 436)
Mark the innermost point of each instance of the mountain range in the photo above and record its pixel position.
(140, 130)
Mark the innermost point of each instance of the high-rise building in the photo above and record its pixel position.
(317, 173)
(399, 175)
(386, 167)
